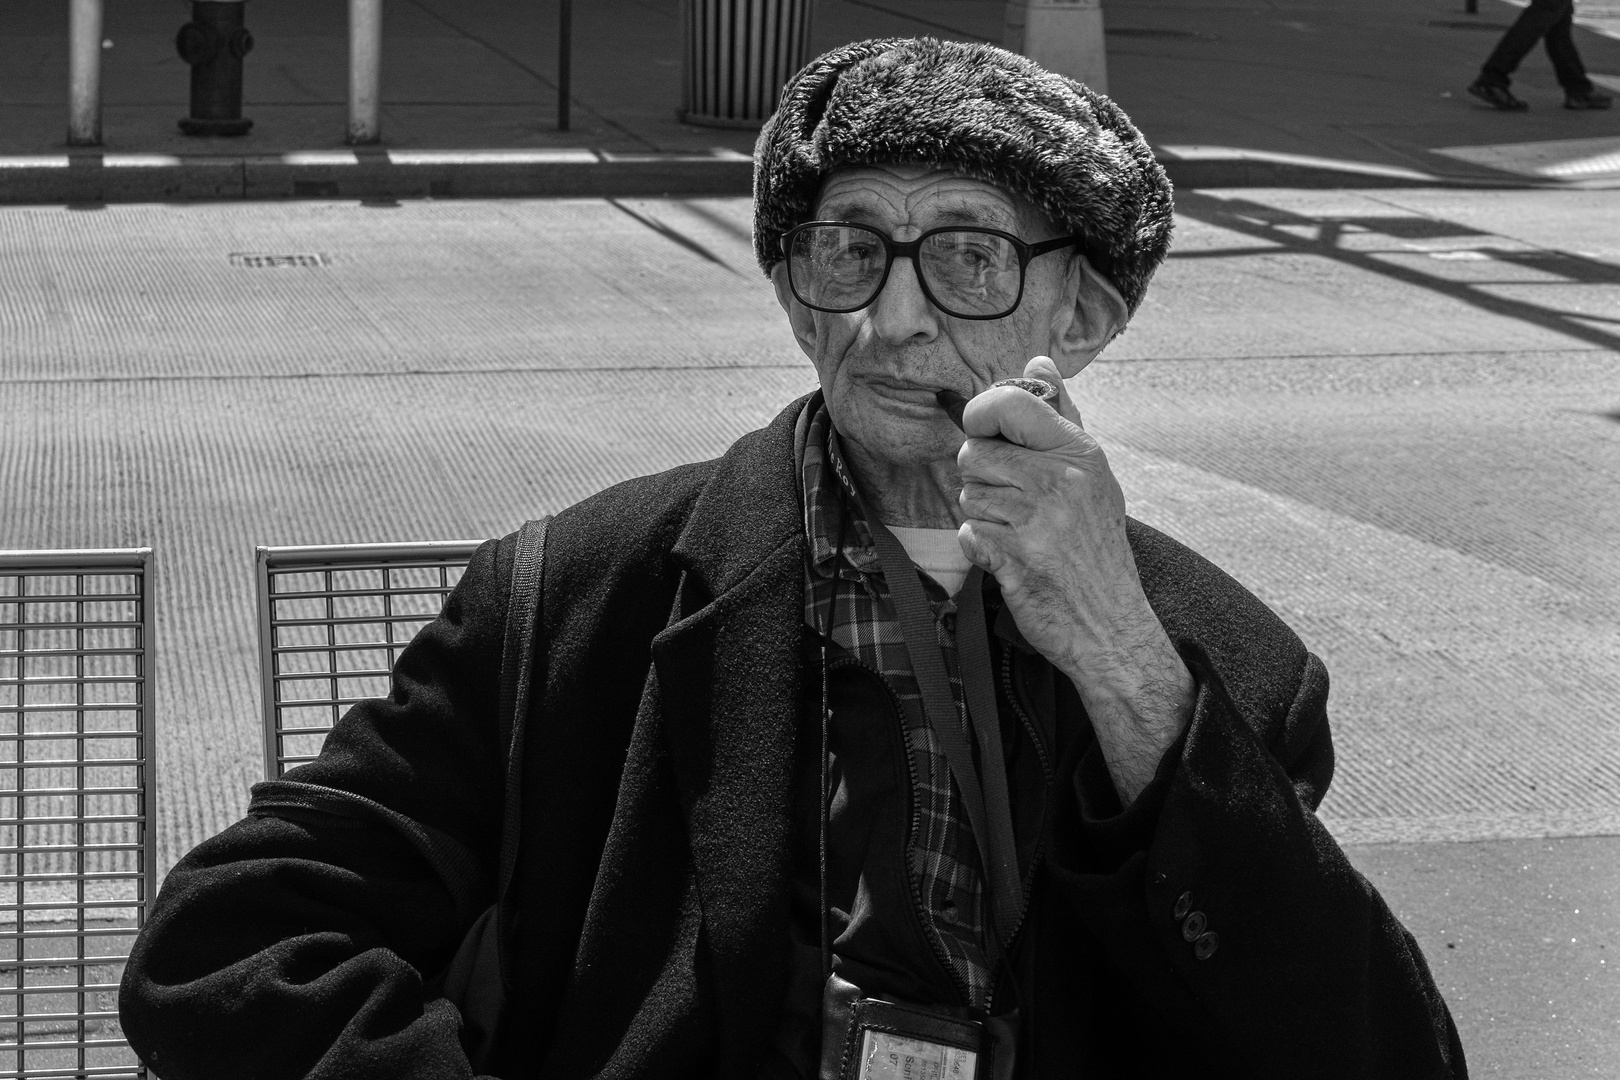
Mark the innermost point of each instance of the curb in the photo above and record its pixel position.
(1231, 167)
(96, 177)
(1245, 173)
(99, 177)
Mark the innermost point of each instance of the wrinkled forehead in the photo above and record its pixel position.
(925, 196)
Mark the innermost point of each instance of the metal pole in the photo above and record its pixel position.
(267, 670)
(565, 62)
(148, 743)
(365, 71)
(84, 73)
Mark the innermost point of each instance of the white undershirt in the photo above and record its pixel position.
(937, 553)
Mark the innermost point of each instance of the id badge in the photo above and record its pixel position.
(886, 1055)
(871, 1039)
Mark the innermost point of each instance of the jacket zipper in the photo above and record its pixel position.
(919, 910)
(1046, 808)
(1023, 717)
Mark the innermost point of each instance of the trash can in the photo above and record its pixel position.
(738, 55)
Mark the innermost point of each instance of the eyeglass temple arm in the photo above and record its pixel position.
(1054, 245)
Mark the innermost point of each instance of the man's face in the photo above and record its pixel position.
(880, 366)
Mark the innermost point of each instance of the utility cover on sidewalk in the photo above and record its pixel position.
(257, 261)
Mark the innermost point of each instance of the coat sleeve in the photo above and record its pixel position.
(1222, 898)
(297, 942)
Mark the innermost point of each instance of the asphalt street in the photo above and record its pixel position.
(1394, 415)
(1305, 85)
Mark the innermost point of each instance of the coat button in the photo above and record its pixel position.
(1195, 925)
(1205, 946)
(1183, 905)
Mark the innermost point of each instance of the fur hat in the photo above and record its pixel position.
(983, 112)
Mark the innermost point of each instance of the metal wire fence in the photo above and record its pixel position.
(77, 802)
(332, 621)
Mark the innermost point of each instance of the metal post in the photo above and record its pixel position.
(84, 73)
(267, 669)
(1063, 36)
(365, 71)
(565, 62)
(148, 740)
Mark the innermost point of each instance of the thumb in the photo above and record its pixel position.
(1043, 368)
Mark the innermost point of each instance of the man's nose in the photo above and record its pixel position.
(901, 314)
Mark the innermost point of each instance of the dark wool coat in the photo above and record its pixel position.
(654, 870)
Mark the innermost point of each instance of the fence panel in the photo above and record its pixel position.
(77, 804)
(332, 621)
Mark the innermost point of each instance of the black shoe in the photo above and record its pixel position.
(1592, 99)
(1499, 97)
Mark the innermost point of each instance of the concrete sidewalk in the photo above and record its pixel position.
(1390, 414)
(1300, 93)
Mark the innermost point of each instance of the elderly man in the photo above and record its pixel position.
(875, 748)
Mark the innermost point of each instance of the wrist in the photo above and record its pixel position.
(1138, 676)
(1137, 712)
(1157, 697)
(1119, 659)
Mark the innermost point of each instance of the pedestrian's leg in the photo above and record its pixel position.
(1529, 28)
(1566, 61)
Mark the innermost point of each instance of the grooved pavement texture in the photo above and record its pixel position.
(1391, 416)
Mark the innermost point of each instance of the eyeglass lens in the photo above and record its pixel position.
(968, 272)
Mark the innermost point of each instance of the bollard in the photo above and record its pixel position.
(214, 43)
(565, 62)
(365, 72)
(84, 73)
(1063, 36)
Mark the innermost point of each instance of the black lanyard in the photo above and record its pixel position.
(984, 791)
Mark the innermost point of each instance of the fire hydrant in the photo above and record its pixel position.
(214, 43)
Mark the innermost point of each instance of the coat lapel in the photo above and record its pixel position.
(728, 675)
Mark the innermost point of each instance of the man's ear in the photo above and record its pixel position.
(800, 318)
(1096, 317)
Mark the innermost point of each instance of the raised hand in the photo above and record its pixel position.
(1046, 516)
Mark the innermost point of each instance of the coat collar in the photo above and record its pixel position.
(749, 508)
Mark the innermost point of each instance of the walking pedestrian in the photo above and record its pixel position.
(1544, 20)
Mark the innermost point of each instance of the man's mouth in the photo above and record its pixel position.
(902, 389)
(893, 382)
(899, 387)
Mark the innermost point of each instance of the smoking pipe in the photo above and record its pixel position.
(953, 403)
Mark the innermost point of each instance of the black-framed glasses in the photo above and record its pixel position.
(971, 273)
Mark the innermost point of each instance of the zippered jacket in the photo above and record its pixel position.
(652, 927)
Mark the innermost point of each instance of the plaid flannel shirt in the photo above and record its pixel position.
(844, 581)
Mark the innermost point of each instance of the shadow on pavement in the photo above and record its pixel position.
(1279, 228)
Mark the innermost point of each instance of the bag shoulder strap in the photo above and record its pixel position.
(517, 669)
